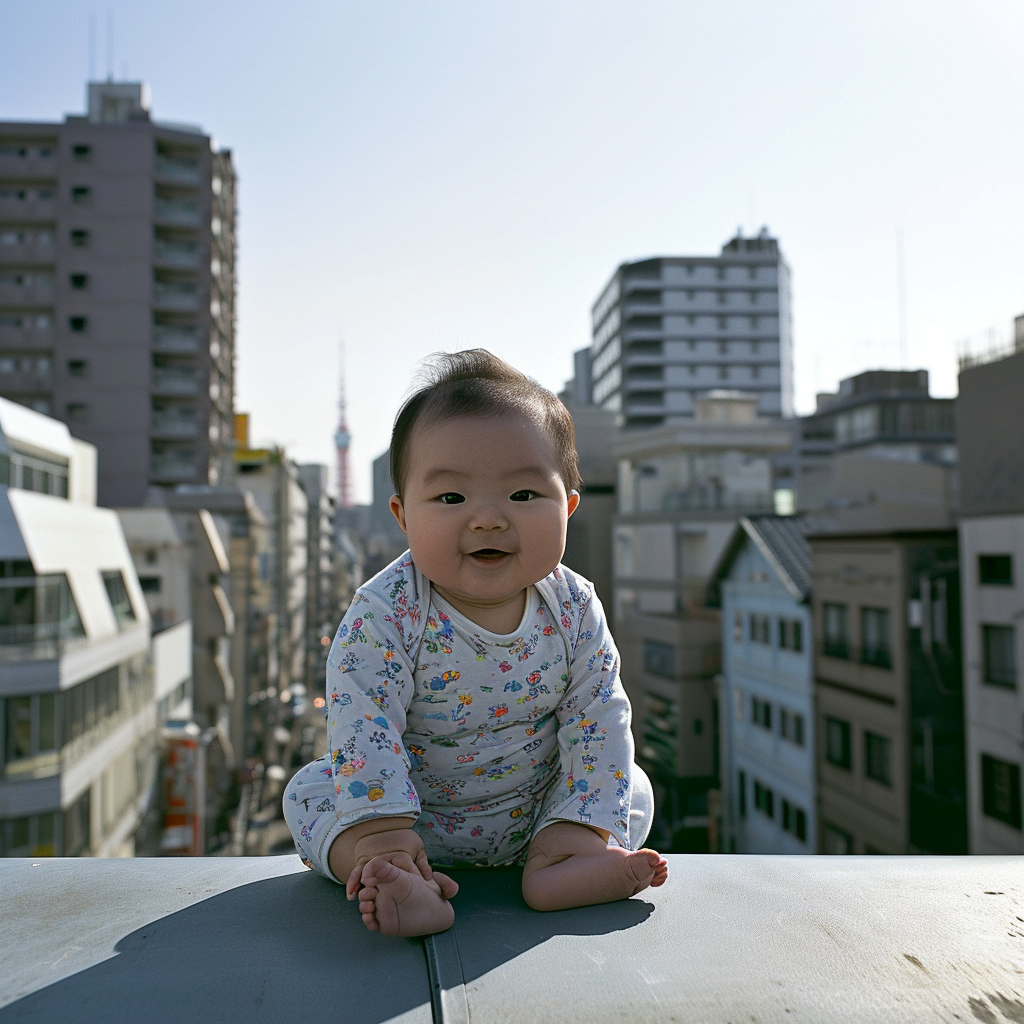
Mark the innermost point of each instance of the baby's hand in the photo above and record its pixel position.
(401, 847)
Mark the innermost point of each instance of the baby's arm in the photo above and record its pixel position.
(384, 863)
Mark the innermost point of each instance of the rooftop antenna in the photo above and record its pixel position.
(110, 46)
(901, 292)
(342, 438)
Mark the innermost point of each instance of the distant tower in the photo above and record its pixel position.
(341, 441)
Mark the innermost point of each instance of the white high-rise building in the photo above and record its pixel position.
(669, 328)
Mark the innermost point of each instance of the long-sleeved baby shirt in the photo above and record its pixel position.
(486, 737)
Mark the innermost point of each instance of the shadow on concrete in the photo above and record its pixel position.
(493, 924)
(292, 947)
(285, 948)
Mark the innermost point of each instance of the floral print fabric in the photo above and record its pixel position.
(485, 738)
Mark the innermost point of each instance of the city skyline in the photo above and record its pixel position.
(448, 177)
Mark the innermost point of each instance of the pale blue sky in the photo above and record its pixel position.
(418, 175)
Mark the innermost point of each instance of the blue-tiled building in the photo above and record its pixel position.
(763, 583)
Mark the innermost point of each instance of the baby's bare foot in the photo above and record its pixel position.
(398, 902)
(621, 874)
(585, 879)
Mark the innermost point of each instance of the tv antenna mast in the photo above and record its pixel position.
(342, 438)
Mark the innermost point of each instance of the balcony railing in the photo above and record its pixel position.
(178, 169)
(167, 468)
(39, 641)
(177, 212)
(173, 382)
(174, 426)
(176, 296)
(176, 255)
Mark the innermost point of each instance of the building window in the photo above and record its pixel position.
(31, 727)
(660, 659)
(723, 347)
(78, 368)
(113, 583)
(838, 748)
(1000, 790)
(876, 645)
(764, 799)
(90, 704)
(150, 584)
(81, 151)
(836, 840)
(794, 820)
(78, 324)
(761, 712)
(737, 626)
(741, 791)
(81, 194)
(995, 570)
(791, 727)
(723, 373)
(760, 629)
(836, 642)
(999, 655)
(77, 826)
(878, 758)
(755, 372)
(661, 729)
(77, 412)
(80, 238)
(79, 281)
(791, 634)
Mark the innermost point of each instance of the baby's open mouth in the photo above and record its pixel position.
(488, 554)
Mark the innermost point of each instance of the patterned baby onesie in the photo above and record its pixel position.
(484, 738)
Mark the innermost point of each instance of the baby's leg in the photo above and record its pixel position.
(571, 865)
(384, 863)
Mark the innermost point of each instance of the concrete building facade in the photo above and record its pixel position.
(889, 693)
(81, 693)
(990, 434)
(666, 329)
(763, 584)
(117, 288)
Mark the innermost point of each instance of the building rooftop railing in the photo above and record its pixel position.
(729, 938)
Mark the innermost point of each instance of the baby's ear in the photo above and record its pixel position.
(574, 501)
(398, 511)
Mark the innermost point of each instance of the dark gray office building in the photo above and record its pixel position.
(671, 327)
(117, 288)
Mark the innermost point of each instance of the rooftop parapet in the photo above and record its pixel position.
(795, 939)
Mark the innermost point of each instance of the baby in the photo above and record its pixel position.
(475, 713)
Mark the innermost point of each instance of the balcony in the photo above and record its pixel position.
(178, 169)
(176, 295)
(166, 467)
(175, 382)
(38, 618)
(27, 203)
(167, 338)
(163, 425)
(176, 254)
(180, 212)
(796, 939)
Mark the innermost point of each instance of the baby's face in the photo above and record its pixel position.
(485, 511)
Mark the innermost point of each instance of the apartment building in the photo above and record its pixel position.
(889, 692)
(990, 433)
(82, 693)
(680, 491)
(324, 608)
(762, 585)
(874, 416)
(117, 288)
(668, 328)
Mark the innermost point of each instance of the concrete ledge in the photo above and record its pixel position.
(729, 938)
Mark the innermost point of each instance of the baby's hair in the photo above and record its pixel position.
(477, 383)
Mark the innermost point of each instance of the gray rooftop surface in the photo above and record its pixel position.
(729, 938)
(783, 539)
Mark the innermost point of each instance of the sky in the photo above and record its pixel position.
(418, 175)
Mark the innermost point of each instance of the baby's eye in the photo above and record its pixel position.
(450, 498)
(522, 496)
